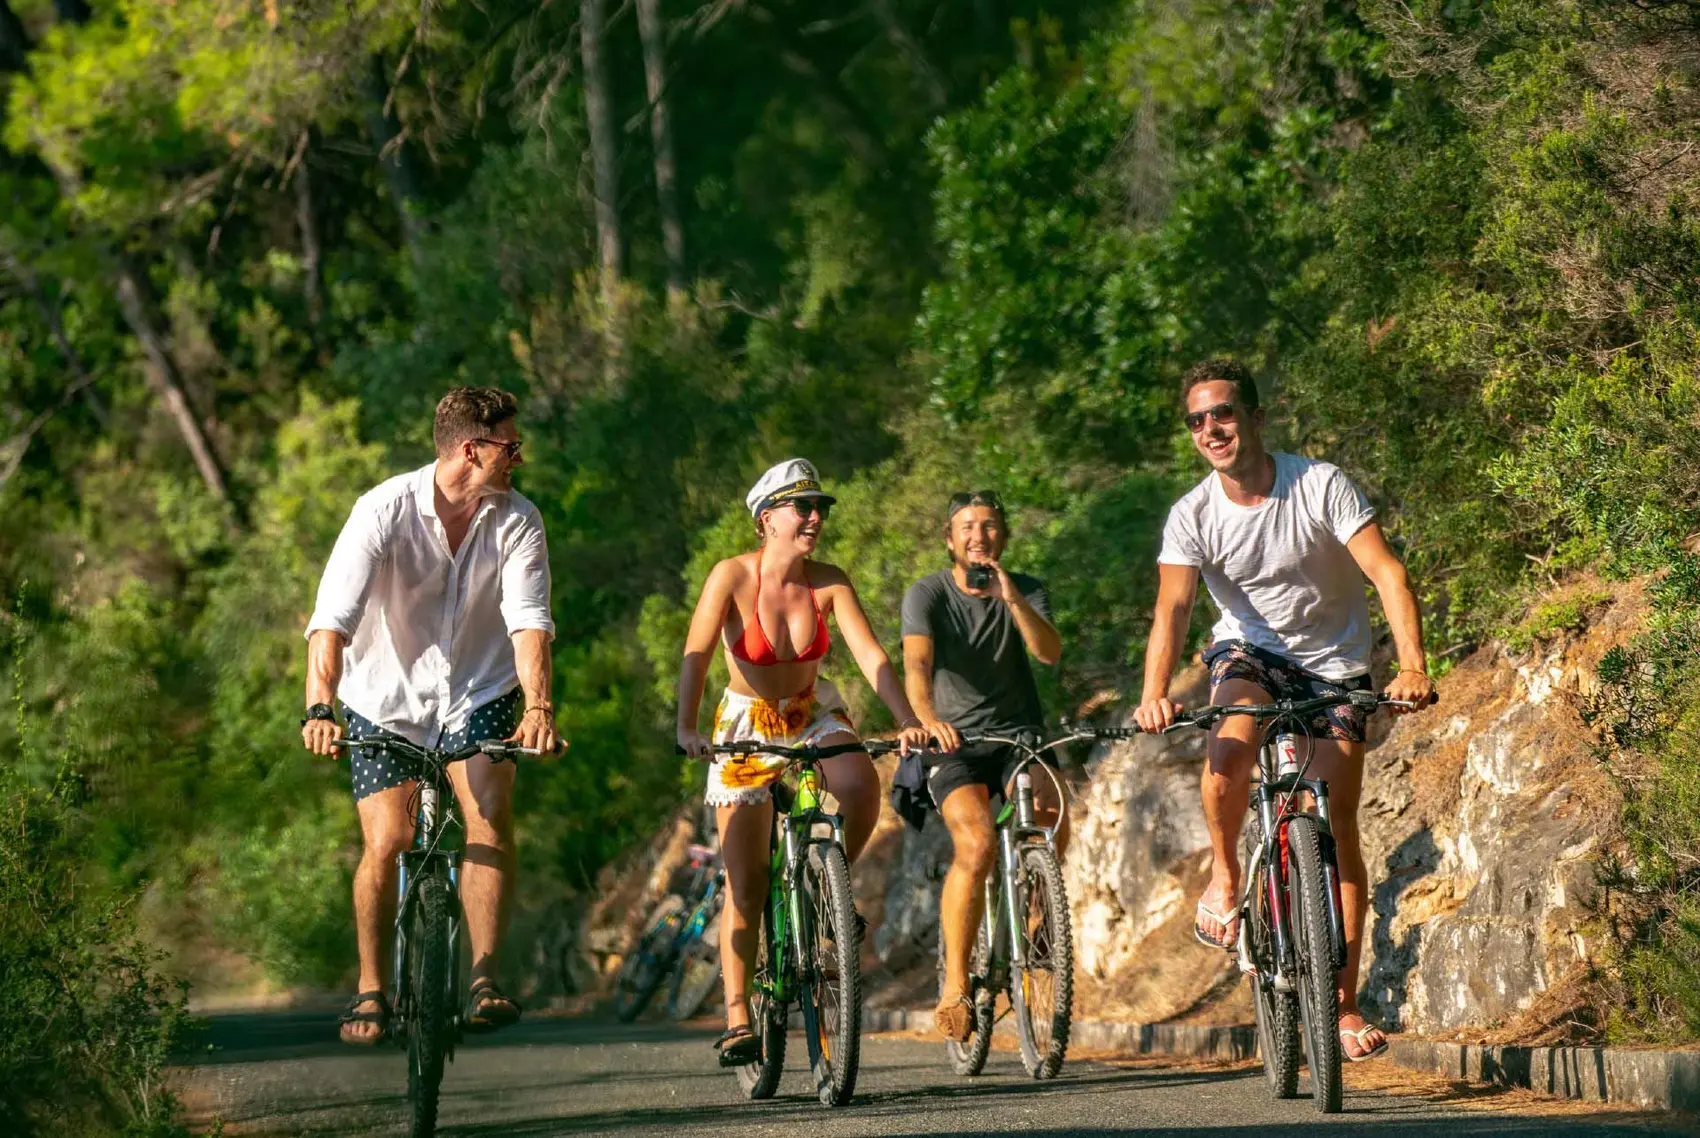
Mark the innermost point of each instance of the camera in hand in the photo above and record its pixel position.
(979, 576)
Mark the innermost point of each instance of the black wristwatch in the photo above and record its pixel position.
(319, 711)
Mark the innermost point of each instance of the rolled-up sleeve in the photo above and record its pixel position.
(525, 579)
(349, 573)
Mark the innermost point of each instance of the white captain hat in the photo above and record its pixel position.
(793, 478)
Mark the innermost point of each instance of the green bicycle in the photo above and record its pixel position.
(809, 947)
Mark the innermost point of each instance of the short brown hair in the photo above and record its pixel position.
(470, 413)
(1224, 369)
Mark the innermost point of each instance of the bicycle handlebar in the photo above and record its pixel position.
(1206, 717)
(499, 750)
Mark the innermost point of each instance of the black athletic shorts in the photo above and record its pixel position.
(991, 765)
(373, 772)
(1283, 679)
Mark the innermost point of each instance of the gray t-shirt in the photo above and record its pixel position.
(1280, 571)
(981, 678)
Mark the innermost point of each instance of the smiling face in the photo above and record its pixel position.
(786, 526)
(977, 535)
(1229, 437)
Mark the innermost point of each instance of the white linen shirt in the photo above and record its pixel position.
(428, 632)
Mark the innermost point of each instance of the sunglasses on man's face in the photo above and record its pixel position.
(512, 448)
(807, 507)
(1222, 413)
(965, 498)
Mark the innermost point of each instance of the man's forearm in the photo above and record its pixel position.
(918, 685)
(535, 667)
(1038, 634)
(324, 666)
(1405, 618)
(1162, 653)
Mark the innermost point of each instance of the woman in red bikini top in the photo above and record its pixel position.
(769, 608)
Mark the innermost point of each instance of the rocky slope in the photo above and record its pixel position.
(1483, 821)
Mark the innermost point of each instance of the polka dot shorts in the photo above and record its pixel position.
(374, 772)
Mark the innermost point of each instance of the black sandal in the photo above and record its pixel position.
(738, 1047)
(487, 1007)
(381, 1017)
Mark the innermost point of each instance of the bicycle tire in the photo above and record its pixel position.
(768, 1017)
(432, 1019)
(1314, 955)
(1277, 1013)
(696, 974)
(970, 1058)
(649, 961)
(832, 988)
(1041, 996)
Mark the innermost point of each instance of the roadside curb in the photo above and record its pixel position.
(1646, 1080)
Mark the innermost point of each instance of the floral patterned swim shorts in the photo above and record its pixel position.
(807, 717)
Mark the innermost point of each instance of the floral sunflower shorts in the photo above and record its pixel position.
(807, 717)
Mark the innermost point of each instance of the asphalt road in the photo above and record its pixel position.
(285, 1073)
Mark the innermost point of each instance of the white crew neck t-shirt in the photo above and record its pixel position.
(1279, 571)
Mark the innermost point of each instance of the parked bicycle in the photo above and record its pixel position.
(808, 949)
(674, 947)
(427, 982)
(1294, 938)
(1024, 946)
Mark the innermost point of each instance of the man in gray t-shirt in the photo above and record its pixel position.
(1284, 545)
(967, 633)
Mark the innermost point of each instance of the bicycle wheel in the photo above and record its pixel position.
(1040, 994)
(648, 963)
(1277, 1012)
(970, 1058)
(832, 987)
(1314, 954)
(697, 973)
(428, 970)
(767, 1016)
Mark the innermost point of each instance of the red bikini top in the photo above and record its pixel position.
(754, 647)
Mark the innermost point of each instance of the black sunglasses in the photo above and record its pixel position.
(807, 507)
(962, 499)
(511, 448)
(1222, 413)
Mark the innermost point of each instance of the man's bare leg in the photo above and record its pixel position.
(967, 814)
(1341, 765)
(1227, 794)
(485, 790)
(387, 830)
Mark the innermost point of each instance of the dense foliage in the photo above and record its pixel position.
(930, 247)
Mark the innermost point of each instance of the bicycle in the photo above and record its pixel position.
(697, 950)
(674, 935)
(428, 917)
(808, 947)
(1024, 945)
(1293, 929)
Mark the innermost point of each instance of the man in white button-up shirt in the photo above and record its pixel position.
(432, 623)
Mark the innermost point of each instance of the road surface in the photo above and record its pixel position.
(285, 1073)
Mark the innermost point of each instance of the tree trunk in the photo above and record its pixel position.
(604, 144)
(12, 451)
(928, 76)
(384, 130)
(654, 34)
(166, 380)
(312, 284)
(860, 133)
(14, 41)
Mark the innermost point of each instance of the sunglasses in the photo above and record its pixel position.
(962, 499)
(808, 507)
(512, 448)
(1222, 413)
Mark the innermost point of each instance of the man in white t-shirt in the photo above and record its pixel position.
(1283, 544)
(432, 623)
